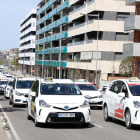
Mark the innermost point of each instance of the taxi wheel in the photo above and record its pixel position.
(85, 125)
(128, 123)
(13, 103)
(105, 111)
(37, 124)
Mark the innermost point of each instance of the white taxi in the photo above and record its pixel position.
(20, 90)
(91, 93)
(3, 82)
(57, 101)
(122, 101)
(8, 88)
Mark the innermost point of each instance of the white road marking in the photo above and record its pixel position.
(10, 125)
(97, 125)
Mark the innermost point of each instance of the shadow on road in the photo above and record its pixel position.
(62, 126)
(10, 109)
(121, 123)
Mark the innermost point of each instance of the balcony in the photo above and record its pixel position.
(131, 49)
(45, 7)
(55, 11)
(26, 62)
(53, 25)
(132, 23)
(25, 47)
(27, 54)
(76, 43)
(52, 50)
(52, 38)
(132, 2)
(51, 63)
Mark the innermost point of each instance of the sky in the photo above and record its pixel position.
(11, 13)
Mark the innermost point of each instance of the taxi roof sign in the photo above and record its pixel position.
(79, 80)
(134, 79)
(49, 79)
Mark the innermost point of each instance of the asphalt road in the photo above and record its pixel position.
(98, 129)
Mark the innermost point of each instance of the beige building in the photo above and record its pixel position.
(77, 36)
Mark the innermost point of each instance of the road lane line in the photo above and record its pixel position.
(97, 125)
(10, 125)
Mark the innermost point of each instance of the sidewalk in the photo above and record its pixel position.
(18, 73)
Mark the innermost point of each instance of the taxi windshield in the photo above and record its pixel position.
(87, 87)
(135, 90)
(3, 82)
(24, 84)
(10, 83)
(9, 76)
(59, 89)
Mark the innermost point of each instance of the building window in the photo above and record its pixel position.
(122, 16)
(122, 37)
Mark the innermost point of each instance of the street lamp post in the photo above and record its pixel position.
(95, 15)
(42, 63)
(60, 55)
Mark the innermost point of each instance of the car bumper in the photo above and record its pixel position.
(20, 100)
(96, 102)
(50, 115)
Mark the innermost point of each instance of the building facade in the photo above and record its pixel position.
(27, 39)
(72, 28)
(132, 24)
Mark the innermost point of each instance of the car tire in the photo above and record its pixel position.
(28, 116)
(128, 123)
(105, 113)
(13, 103)
(37, 124)
(85, 125)
(10, 102)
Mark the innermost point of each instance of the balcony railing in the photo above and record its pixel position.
(52, 50)
(55, 11)
(51, 63)
(53, 25)
(76, 43)
(91, 1)
(52, 38)
(131, 49)
(132, 2)
(90, 21)
(45, 6)
(77, 26)
(132, 23)
(77, 9)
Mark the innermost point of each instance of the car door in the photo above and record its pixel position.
(32, 99)
(112, 94)
(120, 101)
(13, 88)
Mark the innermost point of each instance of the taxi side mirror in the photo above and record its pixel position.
(122, 94)
(100, 90)
(33, 94)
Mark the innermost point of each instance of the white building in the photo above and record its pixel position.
(27, 39)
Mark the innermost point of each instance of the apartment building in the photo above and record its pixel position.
(27, 40)
(132, 24)
(72, 27)
(4, 54)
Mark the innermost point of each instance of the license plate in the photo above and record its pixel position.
(66, 115)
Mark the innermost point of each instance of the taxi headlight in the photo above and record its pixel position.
(136, 104)
(85, 104)
(101, 96)
(42, 103)
(18, 93)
